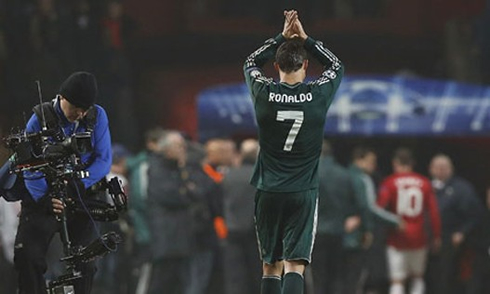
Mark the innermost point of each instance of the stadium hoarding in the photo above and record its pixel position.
(365, 106)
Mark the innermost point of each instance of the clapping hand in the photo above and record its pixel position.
(292, 26)
(289, 24)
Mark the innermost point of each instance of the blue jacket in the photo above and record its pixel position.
(101, 142)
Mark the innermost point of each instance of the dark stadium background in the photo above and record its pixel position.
(175, 49)
(166, 52)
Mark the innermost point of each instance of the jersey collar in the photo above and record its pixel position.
(291, 86)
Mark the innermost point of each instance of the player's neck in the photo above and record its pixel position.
(292, 78)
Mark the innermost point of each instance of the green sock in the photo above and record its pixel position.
(293, 283)
(270, 285)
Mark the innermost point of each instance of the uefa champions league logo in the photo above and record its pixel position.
(366, 106)
(371, 100)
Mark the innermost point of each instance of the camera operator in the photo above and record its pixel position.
(75, 112)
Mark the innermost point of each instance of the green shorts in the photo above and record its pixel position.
(285, 224)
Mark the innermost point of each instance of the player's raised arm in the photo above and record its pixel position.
(333, 68)
(252, 68)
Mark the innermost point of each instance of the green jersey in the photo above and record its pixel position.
(291, 119)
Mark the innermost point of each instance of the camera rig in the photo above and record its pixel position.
(60, 163)
(51, 155)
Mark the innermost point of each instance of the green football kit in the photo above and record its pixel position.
(291, 121)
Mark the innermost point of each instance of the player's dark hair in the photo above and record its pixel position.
(291, 55)
(361, 152)
(404, 156)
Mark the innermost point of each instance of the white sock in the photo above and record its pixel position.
(418, 286)
(397, 288)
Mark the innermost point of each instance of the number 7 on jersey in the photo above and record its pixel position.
(298, 117)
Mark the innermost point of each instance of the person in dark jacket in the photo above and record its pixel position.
(460, 212)
(138, 210)
(336, 204)
(359, 228)
(242, 266)
(479, 282)
(208, 224)
(169, 199)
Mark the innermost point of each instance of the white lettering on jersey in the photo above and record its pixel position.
(283, 98)
(410, 196)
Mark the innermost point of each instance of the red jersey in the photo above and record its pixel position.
(410, 195)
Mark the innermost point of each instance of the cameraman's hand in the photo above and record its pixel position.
(58, 205)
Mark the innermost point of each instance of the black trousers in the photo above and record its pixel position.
(353, 268)
(242, 266)
(326, 263)
(169, 275)
(479, 282)
(7, 277)
(443, 271)
(36, 230)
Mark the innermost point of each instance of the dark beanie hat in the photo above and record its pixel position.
(80, 89)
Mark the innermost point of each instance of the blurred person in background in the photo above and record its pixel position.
(9, 221)
(169, 200)
(195, 154)
(231, 156)
(207, 218)
(336, 204)
(116, 29)
(242, 268)
(119, 169)
(480, 282)
(138, 209)
(359, 226)
(460, 211)
(410, 196)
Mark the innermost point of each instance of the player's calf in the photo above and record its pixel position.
(294, 283)
(270, 285)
